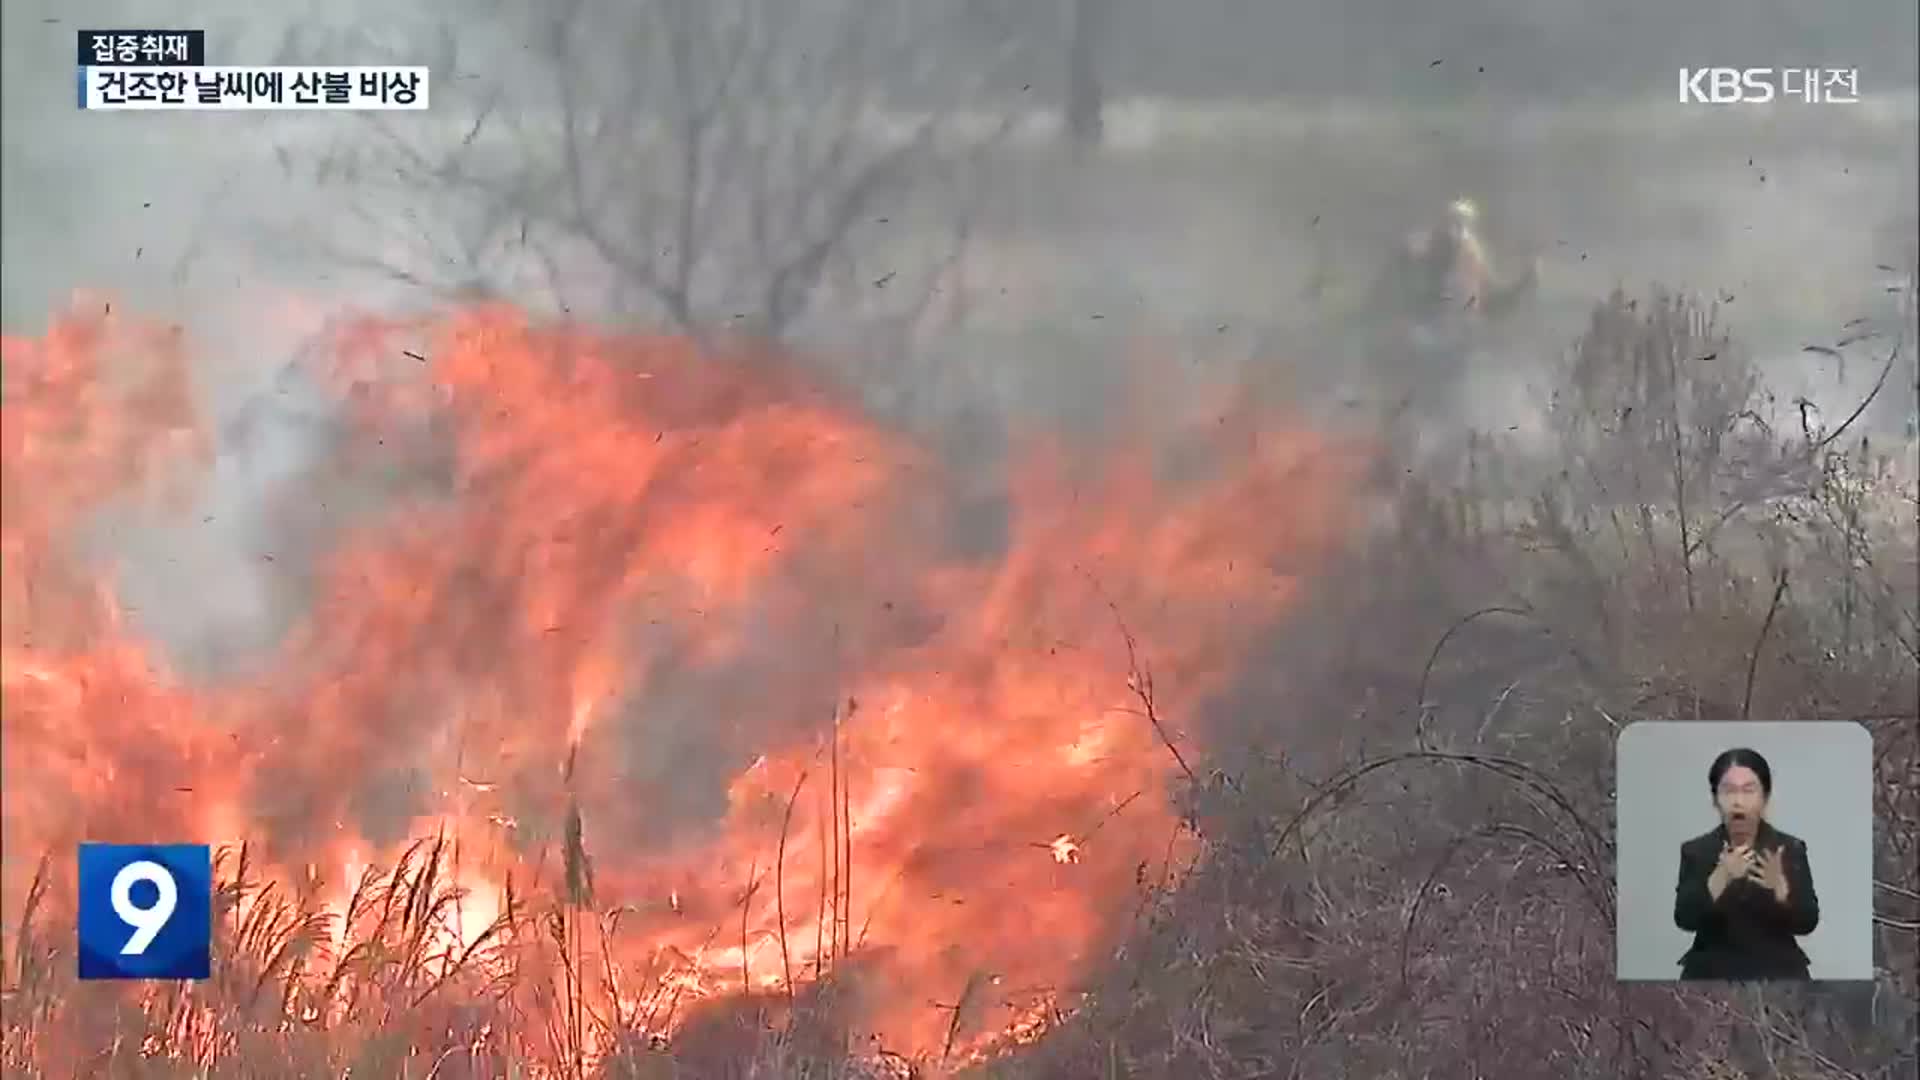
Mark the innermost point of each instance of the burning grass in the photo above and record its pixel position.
(669, 656)
(1178, 779)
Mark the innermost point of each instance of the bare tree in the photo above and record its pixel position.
(1063, 43)
(1086, 97)
(711, 163)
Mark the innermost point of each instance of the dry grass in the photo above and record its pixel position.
(393, 985)
(1405, 868)
(1421, 884)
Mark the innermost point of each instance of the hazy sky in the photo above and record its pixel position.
(176, 212)
(66, 176)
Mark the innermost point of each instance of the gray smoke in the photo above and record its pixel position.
(1259, 159)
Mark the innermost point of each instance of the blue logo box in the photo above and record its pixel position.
(146, 911)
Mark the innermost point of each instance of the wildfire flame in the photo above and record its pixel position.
(651, 566)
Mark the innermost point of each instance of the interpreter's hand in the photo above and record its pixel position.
(1769, 871)
(1735, 863)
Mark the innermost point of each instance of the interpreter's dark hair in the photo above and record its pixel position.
(1745, 758)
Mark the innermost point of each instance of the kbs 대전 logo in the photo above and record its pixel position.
(146, 911)
(1764, 85)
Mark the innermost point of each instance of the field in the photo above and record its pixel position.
(1060, 682)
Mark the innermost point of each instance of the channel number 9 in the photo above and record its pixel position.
(147, 922)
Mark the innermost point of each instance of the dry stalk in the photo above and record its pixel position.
(780, 886)
(1753, 654)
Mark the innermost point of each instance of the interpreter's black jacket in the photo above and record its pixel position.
(1746, 934)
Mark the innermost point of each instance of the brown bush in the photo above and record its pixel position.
(1422, 883)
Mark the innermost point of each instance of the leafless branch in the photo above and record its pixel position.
(1140, 683)
(714, 176)
(1893, 357)
(1753, 655)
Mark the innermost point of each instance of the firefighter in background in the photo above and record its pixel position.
(1427, 321)
(1446, 270)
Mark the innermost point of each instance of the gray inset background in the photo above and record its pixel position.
(1822, 793)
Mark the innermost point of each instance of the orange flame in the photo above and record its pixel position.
(712, 609)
